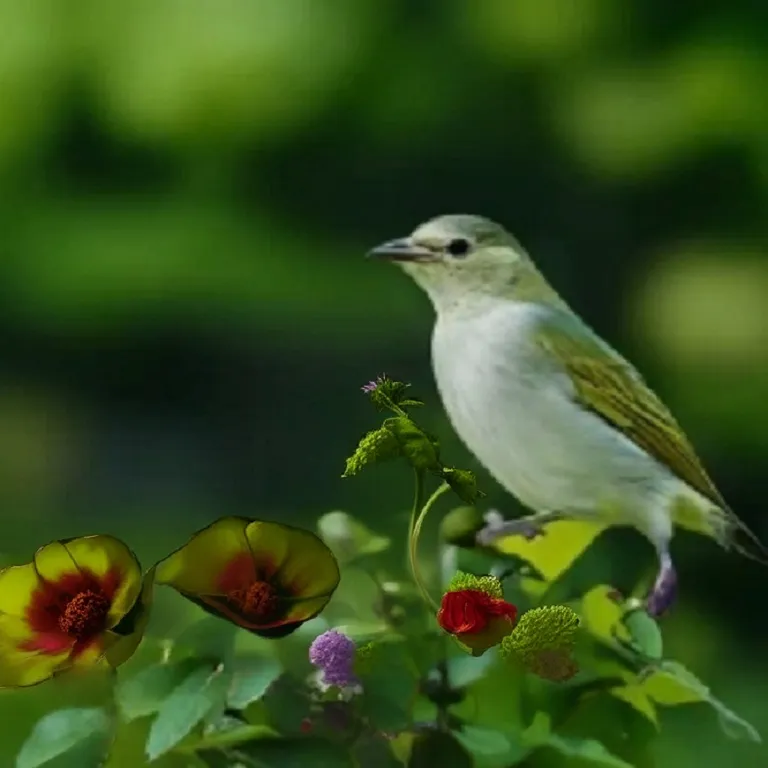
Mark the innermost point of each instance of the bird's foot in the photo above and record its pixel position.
(496, 526)
(664, 590)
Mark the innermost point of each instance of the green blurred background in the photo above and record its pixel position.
(187, 189)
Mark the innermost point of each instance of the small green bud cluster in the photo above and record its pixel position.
(399, 435)
(543, 641)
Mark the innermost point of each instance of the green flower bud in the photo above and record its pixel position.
(491, 585)
(543, 640)
(460, 526)
(463, 483)
(378, 445)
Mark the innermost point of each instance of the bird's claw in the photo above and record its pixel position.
(496, 526)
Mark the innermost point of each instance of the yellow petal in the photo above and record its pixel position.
(17, 584)
(125, 645)
(21, 668)
(107, 558)
(305, 565)
(196, 567)
(306, 609)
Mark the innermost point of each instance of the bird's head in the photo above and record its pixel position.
(461, 259)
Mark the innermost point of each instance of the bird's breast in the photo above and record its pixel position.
(514, 409)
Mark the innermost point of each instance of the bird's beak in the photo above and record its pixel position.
(402, 249)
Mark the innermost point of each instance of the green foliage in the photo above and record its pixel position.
(200, 694)
(576, 683)
(80, 737)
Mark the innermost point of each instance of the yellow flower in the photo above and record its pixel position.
(79, 602)
(265, 577)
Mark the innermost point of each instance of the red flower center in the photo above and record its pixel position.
(260, 601)
(84, 615)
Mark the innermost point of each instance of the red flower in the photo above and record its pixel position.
(476, 618)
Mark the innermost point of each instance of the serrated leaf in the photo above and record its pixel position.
(82, 735)
(203, 690)
(251, 678)
(349, 538)
(143, 693)
(437, 748)
(671, 684)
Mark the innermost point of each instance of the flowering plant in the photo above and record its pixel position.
(317, 649)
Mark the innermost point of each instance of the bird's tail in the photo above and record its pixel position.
(723, 525)
(739, 537)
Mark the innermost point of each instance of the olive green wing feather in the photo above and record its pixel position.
(610, 387)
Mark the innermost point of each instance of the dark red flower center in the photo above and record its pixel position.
(260, 601)
(84, 615)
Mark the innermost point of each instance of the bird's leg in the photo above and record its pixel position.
(496, 526)
(664, 589)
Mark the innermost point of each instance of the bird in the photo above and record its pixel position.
(556, 415)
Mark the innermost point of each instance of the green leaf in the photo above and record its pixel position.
(671, 684)
(287, 702)
(348, 538)
(419, 448)
(390, 683)
(143, 693)
(645, 633)
(437, 748)
(553, 552)
(464, 670)
(230, 737)
(203, 691)
(251, 678)
(585, 750)
(491, 748)
(210, 638)
(82, 735)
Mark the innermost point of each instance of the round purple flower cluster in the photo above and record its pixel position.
(334, 654)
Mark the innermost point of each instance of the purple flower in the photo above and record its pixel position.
(372, 386)
(334, 654)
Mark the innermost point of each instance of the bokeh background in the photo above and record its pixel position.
(187, 189)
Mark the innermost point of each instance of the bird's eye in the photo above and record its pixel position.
(458, 247)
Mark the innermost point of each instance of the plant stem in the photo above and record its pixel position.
(417, 521)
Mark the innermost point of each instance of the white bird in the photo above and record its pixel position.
(559, 418)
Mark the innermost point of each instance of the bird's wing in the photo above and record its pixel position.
(610, 387)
